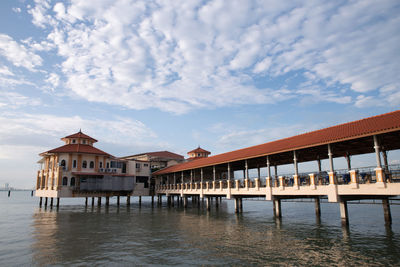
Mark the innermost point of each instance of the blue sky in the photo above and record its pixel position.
(171, 75)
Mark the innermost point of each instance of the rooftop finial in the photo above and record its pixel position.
(80, 130)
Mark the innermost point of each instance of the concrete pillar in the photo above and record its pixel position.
(45, 202)
(140, 200)
(128, 200)
(191, 177)
(312, 181)
(92, 201)
(229, 171)
(343, 213)
(378, 157)
(276, 176)
(58, 202)
(317, 207)
(40, 201)
(185, 202)
(99, 201)
(386, 166)
(386, 211)
(281, 183)
(216, 202)
(240, 204)
(330, 155)
(348, 160)
(277, 208)
(208, 204)
(169, 201)
(152, 200)
(117, 200)
(86, 201)
(214, 176)
(51, 202)
(236, 205)
(107, 201)
(353, 179)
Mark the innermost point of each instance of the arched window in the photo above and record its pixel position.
(108, 165)
(72, 183)
(84, 164)
(91, 165)
(100, 164)
(65, 181)
(74, 164)
(62, 163)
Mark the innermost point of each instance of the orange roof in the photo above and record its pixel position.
(78, 148)
(199, 150)
(80, 135)
(384, 123)
(161, 154)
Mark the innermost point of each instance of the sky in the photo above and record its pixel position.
(149, 75)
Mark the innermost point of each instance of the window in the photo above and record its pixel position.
(137, 165)
(62, 163)
(83, 141)
(72, 183)
(74, 164)
(198, 154)
(108, 165)
(73, 141)
(84, 164)
(65, 181)
(146, 165)
(91, 165)
(100, 164)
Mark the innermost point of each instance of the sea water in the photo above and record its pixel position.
(75, 235)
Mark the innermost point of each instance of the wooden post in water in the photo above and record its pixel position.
(86, 202)
(236, 205)
(51, 202)
(40, 201)
(45, 202)
(277, 208)
(140, 201)
(240, 204)
(58, 202)
(92, 201)
(99, 201)
(117, 200)
(9, 193)
(107, 201)
(208, 203)
(32, 193)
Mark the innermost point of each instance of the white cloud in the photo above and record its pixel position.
(180, 55)
(16, 9)
(14, 100)
(18, 54)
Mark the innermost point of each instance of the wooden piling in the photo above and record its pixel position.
(128, 200)
(45, 202)
(317, 207)
(40, 201)
(51, 202)
(99, 201)
(58, 202)
(277, 208)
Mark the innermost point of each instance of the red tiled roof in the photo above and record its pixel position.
(78, 148)
(199, 150)
(161, 154)
(80, 135)
(366, 127)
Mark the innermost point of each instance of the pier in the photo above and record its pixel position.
(213, 177)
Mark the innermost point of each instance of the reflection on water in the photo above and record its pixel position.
(75, 235)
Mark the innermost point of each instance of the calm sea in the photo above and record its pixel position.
(125, 236)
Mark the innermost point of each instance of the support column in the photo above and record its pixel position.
(58, 202)
(317, 207)
(246, 175)
(378, 170)
(333, 191)
(319, 180)
(86, 201)
(45, 202)
(240, 204)
(343, 213)
(208, 204)
(51, 202)
(185, 200)
(40, 201)
(312, 181)
(296, 172)
(152, 200)
(107, 201)
(276, 176)
(386, 167)
(277, 208)
(140, 201)
(386, 211)
(353, 179)
(99, 201)
(92, 201)
(236, 205)
(214, 176)
(117, 200)
(128, 200)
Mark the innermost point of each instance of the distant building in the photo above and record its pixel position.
(159, 159)
(198, 153)
(78, 169)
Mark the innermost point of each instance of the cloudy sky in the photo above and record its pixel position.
(171, 75)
